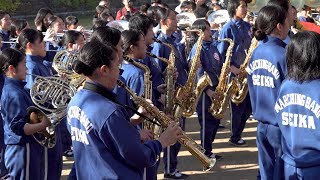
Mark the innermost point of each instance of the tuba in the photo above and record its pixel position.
(169, 79)
(164, 120)
(62, 63)
(223, 90)
(241, 79)
(187, 96)
(51, 95)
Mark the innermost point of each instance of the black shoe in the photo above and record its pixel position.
(221, 127)
(218, 157)
(239, 143)
(176, 175)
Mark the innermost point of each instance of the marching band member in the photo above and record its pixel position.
(23, 154)
(72, 23)
(145, 24)
(239, 31)
(3, 170)
(5, 27)
(106, 141)
(266, 71)
(210, 63)
(17, 26)
(41, 20)
(30, 41)
(168, 25)
(73, 41)
(296, 108)
(134, 47)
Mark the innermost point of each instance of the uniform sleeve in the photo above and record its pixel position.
(127, 141)
(17, 112)
(32, 69)
(137, 85)
(159, 51)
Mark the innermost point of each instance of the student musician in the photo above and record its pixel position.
(239, 31)
(41, 20)
(210, 63)
(17, 26)
(266, 71)
(109, 154)
(168, 25)
(296, 108)
(31, 42)
(23, 155)
(5, 28)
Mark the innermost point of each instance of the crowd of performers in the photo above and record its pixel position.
(105, 136)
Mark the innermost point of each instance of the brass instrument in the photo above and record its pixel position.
(52, 95)
(223, 90)
(187, 96)
(169, 79)
(241, 79)
(62, 63)
(164, 120)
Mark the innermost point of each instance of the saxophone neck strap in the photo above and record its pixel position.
(112, 97)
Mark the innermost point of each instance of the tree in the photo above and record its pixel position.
(9, 5)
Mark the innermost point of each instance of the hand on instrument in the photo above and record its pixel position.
(146, 135)
(234, 70)
(162, 88)
(212, 94)
(170, 135)
(49, 36)
(136, 119)
(80, 28)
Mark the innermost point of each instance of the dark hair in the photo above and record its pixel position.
(141, 22)
(144, 8)
(201, 11)
(17, 25)
(9, 57)
(232, 6)
(53, 19)
(152, 13)
(70, 36)
(130, 37)
(302, 57)
(156, 1)
(38, 21)
(98, 23)
(282, 3)
(71, 20)
(28, 36)
(199, 24)
(106, 35)
(93, 55)
(162, 13)
(3, 13)
(267, 20)
(99, 10)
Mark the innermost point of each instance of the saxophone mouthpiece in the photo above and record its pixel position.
(157, 40)
(120, 83)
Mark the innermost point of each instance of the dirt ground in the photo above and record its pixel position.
(240, 163)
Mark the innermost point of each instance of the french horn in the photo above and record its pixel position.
(62, 63)
(51, 96)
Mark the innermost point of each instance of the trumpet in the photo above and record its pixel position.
(50, 94)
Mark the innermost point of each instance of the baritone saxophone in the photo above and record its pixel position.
(196, 150)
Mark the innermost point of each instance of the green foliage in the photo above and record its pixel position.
(9, 5)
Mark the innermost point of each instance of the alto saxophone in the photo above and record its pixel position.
(169, 79)
(187, 96)
(147, 94)
(51, 94)
(62, 63)
(241, 79)
(223, 90)
(164, 120)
